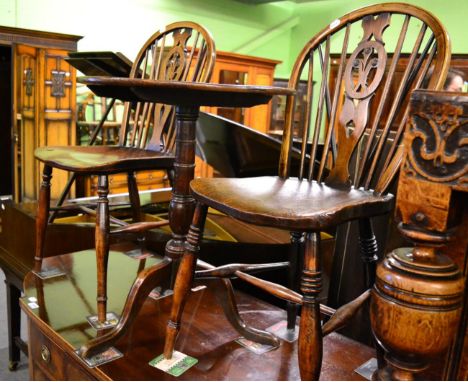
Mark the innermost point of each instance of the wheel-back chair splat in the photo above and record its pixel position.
(184, 51)
(354, 115)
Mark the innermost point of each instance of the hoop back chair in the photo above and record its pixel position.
(184, 51)
(351, 116)
(89, 114)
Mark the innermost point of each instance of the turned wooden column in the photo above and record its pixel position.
(102, 246)
(417, 300)
(310, 335)
(182, 203)
(43, 206)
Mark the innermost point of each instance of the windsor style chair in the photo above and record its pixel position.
(353, 117)
(184, 51)
(89, 114)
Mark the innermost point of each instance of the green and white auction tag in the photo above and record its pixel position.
(176, 366)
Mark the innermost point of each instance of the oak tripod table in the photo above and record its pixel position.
(187, 97)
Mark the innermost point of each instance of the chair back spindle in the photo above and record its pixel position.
(183, 52)
(350, 115)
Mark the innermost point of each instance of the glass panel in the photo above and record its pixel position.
(232, 77)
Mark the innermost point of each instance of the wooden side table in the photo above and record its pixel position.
(188, 97)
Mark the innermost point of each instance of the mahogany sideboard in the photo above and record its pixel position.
(57, 310)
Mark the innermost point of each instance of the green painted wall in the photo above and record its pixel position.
(276, 30)
(123, 25)
(314, 16)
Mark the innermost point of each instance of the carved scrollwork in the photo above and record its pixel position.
(59, 80)
(367, 63)
(58, 83)
(438, 143)
(364, 72)
(28, 81)
(175, 62)
(362, 76)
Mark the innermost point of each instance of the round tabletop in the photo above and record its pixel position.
(182, 93)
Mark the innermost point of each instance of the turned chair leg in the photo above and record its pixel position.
(369, 250)
(297, 241)
(134, 196)
(310, 331)
(369, 253)
(102, 245)
(184, 277)
(42, 216)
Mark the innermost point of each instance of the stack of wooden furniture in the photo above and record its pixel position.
(147, 141)
(318, 187)
(322, 194)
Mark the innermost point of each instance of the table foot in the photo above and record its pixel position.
(146, 281)
(225, 296)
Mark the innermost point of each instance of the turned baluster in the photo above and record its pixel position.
(417, 299)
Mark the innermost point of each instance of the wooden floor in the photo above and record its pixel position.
(205, 335)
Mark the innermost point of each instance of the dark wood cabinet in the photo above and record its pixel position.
(49, 361)
(37, 108)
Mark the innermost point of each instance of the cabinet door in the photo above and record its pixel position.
(56, 126)
(25, 62)
(44, 101)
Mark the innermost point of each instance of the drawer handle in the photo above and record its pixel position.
(45, 354)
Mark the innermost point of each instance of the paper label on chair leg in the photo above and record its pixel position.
(106, 356)
(175, 366)
(49, 273)
(280, 329)
(138, 254)
(367, 369)
(158, 293)
(111, 320)
(254, 347)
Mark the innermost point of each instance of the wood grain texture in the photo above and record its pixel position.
(142, 137)
(207, 335)
(317, 200)
(424, 284)
(288, 203)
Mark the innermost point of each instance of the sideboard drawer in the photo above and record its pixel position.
(51, 362)
(45, 354)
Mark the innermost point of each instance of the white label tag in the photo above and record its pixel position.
(334, 23)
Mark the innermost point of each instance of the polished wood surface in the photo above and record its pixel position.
(421, 291)
(322, 193)
(103, 158)
(56, 333)
(314, 206)
(183, 93)
(17, 258)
